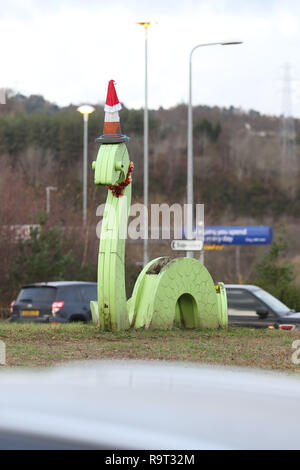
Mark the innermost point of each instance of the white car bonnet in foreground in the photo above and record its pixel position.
(138, 405)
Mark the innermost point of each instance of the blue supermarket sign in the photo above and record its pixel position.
(238, 235)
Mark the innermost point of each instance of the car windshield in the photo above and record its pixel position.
(37, 294)
(272, 302)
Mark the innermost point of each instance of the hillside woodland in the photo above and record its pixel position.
(243, 175)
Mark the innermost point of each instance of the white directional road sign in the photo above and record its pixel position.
(187, 245)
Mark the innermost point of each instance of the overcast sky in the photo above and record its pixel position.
(67, 50)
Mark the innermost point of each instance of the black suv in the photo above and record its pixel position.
(254, 307)
(59, 302)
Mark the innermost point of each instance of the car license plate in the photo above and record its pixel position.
(30, 313)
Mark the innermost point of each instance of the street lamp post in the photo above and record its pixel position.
(48, 191)
(146, 25)
(85, 110)
(190, 162)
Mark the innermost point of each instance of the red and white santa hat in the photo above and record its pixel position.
(112, 107)
(112, 104)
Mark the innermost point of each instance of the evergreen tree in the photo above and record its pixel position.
(44, 257)
(278, 278)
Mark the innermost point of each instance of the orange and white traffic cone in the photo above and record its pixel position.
(112, 129)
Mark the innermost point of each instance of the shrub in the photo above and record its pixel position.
(278, 278)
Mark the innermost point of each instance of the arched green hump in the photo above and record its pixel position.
(133, 303)
(163, 295)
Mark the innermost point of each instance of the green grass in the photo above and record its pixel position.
(34, 345)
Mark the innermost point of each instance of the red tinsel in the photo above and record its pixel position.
(118, 189)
